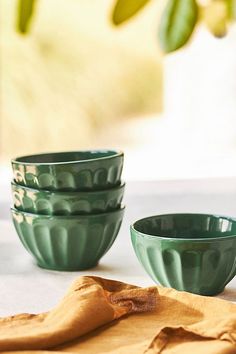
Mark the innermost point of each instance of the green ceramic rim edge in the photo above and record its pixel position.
(117, 153)
(86, 216)
(199, 239)
(59, 192)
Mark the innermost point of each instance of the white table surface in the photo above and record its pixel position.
(26, 288)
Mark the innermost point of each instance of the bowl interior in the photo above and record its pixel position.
(69, 156)
(187, 226)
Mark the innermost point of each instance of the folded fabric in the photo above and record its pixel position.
(105, 316)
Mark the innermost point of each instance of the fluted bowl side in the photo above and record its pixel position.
(72, 170)
(67, 242)
(190, 252)
(66, 203)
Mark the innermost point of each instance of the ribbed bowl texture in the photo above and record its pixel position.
(190, 252)
(67, 242)
(75, 170)
(66, 203)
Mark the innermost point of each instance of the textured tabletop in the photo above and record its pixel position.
(26, 288)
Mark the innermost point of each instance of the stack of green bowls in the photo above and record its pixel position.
(67, 206)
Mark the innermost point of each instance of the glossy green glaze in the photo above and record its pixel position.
(79, 170)
(66, 203)
(190, 252)
(67, 242)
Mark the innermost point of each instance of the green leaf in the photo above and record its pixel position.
(24, 15)
(177, 24)
(231, 4)
(125, 9)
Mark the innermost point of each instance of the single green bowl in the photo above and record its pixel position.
(75, 170)
(67, 243)
(66, 203)
(190, 252)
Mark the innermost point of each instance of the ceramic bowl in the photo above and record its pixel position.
(66, 203)
(67, 242)
(190, 252)
(76, 170)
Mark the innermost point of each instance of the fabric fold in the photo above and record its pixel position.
(91, 302)
(214, 328)
(109, 317)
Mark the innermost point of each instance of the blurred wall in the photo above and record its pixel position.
(74, 75)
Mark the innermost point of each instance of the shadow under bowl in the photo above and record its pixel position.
(189, 252)
(72, 170)
(66, 203)
(67, 243)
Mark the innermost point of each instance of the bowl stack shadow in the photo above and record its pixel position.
(67, 206)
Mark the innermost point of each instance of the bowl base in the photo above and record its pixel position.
(205, 293)
(66, 268)
(215, 293)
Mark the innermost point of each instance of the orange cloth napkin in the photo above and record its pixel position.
(105, 316)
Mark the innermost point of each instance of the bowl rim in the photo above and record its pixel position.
(117, 153)
(121, 186)
(172, 239)
(69, 217)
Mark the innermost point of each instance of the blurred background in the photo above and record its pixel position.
(78, 82)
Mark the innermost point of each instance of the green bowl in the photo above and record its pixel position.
(190, 252)
(75, 170)
(67, 242)
(66, 203)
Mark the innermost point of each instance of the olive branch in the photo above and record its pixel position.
(178, 20)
